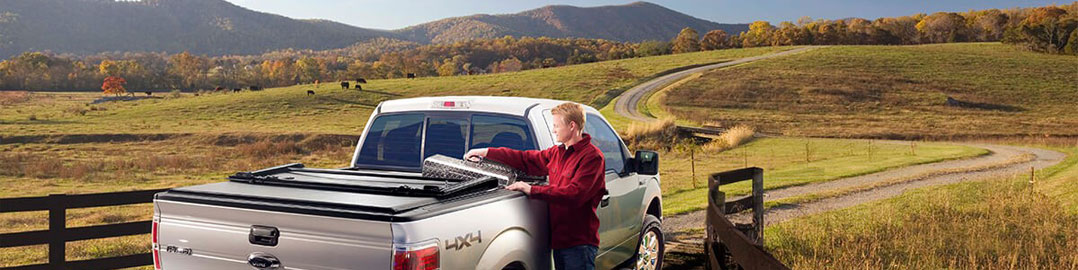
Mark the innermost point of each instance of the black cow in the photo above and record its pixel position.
(236, 90)
(344, 85)
(361, 80)
(256, 88)
(411, 75)
(310, 92)
(148, 93)
(359, 87)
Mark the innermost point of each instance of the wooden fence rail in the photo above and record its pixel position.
(59, 234)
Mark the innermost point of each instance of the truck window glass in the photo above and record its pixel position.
(603, 136)
(446, 137)
(497, 131)
(404, 140)
(393, 140)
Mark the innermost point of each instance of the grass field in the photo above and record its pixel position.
(892, 92)
(330, 110)
(998, 224)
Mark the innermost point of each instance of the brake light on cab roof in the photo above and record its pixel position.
(451, 104)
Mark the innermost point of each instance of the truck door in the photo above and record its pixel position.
(620, 211)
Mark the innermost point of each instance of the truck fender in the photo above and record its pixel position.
(514, 245)
(653, 193)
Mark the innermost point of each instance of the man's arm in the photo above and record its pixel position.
(532, 162)
(587, 179)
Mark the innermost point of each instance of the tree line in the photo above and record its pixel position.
(377, 59)
(1049, 29)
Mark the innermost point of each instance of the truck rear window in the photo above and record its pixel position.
(404, 140)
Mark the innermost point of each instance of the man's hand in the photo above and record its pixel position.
(475, 154)
(520, 186)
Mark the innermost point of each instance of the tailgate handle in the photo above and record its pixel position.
(264, 235)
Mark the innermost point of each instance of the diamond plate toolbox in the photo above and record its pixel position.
(444, 167)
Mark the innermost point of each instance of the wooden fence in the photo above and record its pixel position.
(59, 234)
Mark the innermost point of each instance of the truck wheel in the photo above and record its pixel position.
(649, 252)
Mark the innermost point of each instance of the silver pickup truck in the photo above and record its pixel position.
(381, 213)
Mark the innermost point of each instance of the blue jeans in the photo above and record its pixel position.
(580, 257)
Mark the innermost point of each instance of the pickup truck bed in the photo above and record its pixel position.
(379, 196)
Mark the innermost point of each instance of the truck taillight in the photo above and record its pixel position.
(156, 257)
(422, 256)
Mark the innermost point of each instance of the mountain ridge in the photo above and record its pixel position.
(218, 27)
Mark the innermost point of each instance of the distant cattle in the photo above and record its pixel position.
(344, 85)
(235, 90)
(310, 92)
(218, 88)
(359, 87)
(148, 93)
(255, 88)
(361, 80)
(411, 75)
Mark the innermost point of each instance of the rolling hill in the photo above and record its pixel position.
(935, 91)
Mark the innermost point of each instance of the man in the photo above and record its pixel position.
(576, 171)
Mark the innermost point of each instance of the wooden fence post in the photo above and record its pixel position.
(57, 234)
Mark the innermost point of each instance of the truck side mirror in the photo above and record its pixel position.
(647, 162)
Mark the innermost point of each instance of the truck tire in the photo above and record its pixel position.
(651, 247)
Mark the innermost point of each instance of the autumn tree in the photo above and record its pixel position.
(510, 65)
(189, 68)
(759, 34)
(859, 31)
(790, 34)
(114, 85)
(1047, 29)
(309, 69)
(714, 40)
(688, 40)
(652, 48)
(904, 29)
(943, 27)
(448, 68)
(987, 25)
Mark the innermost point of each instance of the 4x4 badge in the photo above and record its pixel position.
(464, 241)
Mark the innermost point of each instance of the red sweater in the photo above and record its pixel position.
(576, 186)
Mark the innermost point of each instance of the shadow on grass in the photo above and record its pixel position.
(345, 101)
(380, 92)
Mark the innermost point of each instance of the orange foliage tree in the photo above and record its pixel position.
(114, 85)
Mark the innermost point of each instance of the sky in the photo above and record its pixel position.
(386, 14)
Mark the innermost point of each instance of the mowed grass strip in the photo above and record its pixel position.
(331, 109)
(997, 224)
(892, 92)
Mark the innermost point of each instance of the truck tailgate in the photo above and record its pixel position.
(210, 227)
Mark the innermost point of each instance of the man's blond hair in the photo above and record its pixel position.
(572, 112)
